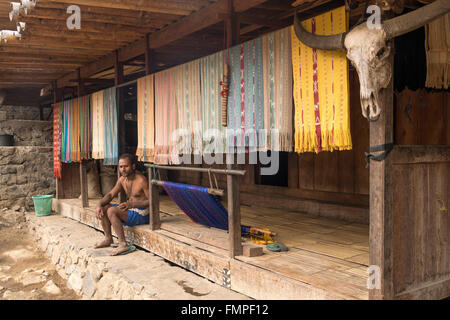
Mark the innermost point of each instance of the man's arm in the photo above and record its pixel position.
(110, 195)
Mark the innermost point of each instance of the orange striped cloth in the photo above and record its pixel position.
(166, 115)
(177, 112)
(321, 89)
(74, 119)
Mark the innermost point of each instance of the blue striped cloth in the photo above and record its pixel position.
(247, 71)
(200, 206)
(111, 127)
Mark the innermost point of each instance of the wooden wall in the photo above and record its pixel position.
(422, 117)
(70, 186)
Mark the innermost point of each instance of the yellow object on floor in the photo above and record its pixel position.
(261, 237)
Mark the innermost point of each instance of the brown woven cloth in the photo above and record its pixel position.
(437, 45)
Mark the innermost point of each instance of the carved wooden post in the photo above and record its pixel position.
(155, 221)
(56, 97)
(234, 213)
(381, 200)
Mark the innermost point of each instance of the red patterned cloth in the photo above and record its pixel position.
(56, 141)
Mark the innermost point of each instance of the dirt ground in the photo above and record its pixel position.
(26, 273)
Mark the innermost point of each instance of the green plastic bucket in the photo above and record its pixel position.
(42, 205)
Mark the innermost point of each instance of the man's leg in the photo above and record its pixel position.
(116, 217)
(106, 225)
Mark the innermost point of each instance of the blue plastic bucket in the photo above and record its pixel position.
(42, 205)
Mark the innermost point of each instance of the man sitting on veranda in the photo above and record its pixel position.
(133, 212)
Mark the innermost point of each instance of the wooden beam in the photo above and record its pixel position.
(157, 6)
(248, 19)
(199, 20)
(87, 26)
(88, 15)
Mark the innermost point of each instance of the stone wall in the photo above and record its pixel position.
(23, 112)
(25, 172)
(28, 132)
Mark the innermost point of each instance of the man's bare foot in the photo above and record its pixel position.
(103, 244)
(119, 250)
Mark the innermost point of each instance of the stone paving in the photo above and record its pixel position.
(94, 274)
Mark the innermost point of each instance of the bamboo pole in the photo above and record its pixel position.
(216, 192)
(219, 171)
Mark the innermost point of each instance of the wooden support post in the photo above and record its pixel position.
(232, 27)
(83, 175)
(381, 200)
(155, 221)
(149, 63)
(118, 67)
(234, 214)
(84, 185)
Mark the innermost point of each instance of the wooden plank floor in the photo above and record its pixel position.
(329, 254)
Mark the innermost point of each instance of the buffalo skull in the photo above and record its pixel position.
(368, 49)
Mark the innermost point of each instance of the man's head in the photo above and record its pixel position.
(127, 165)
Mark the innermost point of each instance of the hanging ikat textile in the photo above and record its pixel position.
(177, 113)
(111, 127)
(98, 126)
(245, 99)
(76, 130)
(85, 127)
(146, 120)
(166, 116)
(322, 111)
(211, 72)
(57, 129)
(277, 75)
(69, 139)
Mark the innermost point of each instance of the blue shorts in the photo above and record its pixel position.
(135, 218)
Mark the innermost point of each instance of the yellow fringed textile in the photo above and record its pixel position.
(321, 89)
(146, 119)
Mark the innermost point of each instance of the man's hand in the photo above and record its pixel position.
(99, 213)
(124, 206)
